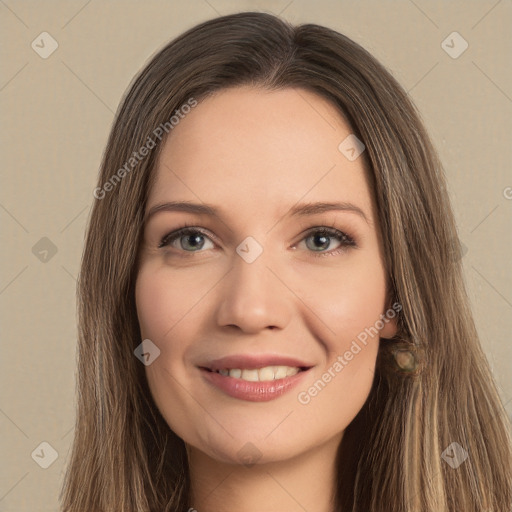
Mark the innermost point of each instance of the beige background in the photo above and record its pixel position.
(57, 113)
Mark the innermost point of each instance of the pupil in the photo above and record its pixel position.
(193, 240)
(322, 240)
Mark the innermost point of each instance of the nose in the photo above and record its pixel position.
(252, 298)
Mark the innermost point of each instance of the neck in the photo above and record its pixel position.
(303, 482)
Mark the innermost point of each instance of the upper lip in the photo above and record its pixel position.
(254, 361)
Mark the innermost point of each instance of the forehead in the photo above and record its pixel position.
(255, 150)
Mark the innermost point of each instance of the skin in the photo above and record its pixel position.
(254, 154)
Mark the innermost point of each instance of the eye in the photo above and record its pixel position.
(191, 239)
(188, 239)
(319, 239)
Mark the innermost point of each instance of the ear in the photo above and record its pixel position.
(390, 320)
(390, 327)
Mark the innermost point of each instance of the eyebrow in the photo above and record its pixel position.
(298, 210)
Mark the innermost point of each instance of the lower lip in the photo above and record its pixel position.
(253, 391)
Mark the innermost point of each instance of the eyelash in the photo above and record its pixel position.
(346, 240)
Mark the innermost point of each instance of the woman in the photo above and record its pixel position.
(318, 352)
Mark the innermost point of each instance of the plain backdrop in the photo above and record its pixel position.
(57, 112)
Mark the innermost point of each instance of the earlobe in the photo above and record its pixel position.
(390, 316)
(390, 328)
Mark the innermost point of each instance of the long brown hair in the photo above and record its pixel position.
(125, 457)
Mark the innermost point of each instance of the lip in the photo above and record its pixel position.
(254, 361)
(252, 391)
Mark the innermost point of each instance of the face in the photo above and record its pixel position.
(268, 311)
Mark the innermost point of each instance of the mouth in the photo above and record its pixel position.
(254, 378)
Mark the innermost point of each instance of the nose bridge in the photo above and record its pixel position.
(252, 298)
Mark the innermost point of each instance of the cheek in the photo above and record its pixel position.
(153, 299)
(347, 299)
(359, 306)
(161, 302)
(338, 389)
(160, 310)
(163, 311)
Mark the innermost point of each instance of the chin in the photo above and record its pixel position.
(248, 453)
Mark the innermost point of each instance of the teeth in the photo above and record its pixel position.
(281, 372)
(235, 373)
(261, 374)
(250, 375)
(266, 373)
